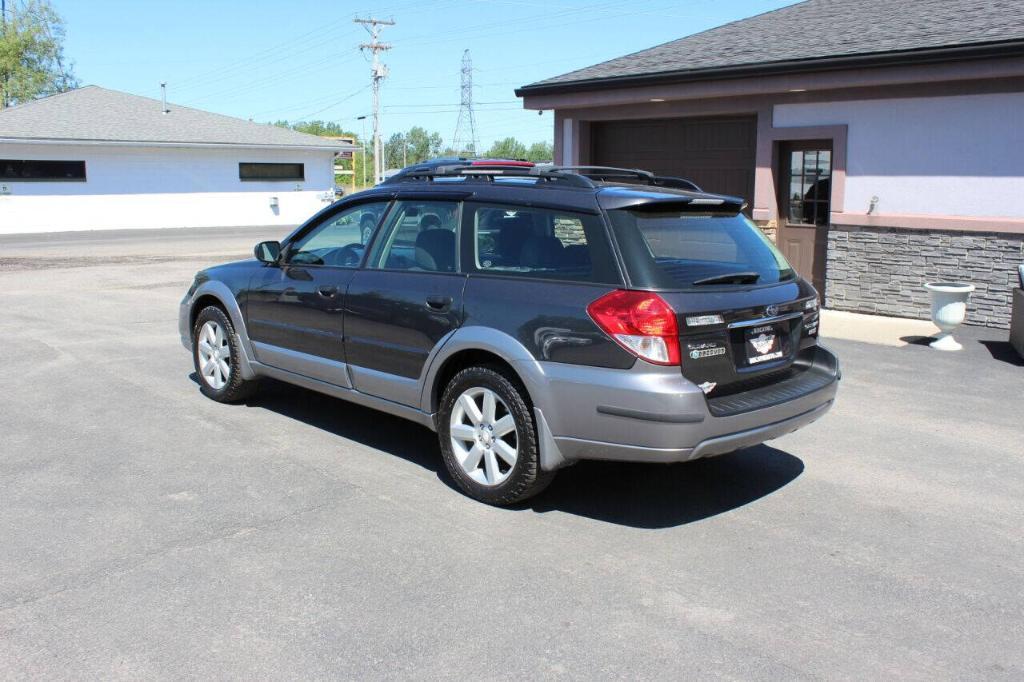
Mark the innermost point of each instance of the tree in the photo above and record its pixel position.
(422, 145)
(32, 53)
(509, 148)
(405, 149)
(540, 152)
(321, 128)
(393, 148)
(334, 129)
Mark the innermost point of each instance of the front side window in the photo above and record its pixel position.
(540, 243)
(674, 250)
(338, 240)
(23, 170)
(272, 172)
(418, 236)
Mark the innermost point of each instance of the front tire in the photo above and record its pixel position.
(366, 229)
(215, 354)
(489, 439)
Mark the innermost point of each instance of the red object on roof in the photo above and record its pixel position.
(502, 162)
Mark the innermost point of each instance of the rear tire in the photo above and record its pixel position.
(216, 355)
(489, 439)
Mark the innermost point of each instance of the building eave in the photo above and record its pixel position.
(183, 145)
(897, 58)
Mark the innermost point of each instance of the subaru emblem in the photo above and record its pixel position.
(772, 310)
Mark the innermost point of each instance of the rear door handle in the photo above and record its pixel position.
(439, 302)
(327, 292)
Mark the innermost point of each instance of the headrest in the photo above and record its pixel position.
(541, 252)
(435, 250)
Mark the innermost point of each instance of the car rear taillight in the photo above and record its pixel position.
(641, 322)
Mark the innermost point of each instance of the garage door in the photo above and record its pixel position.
(716, 153)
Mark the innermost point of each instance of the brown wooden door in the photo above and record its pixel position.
(805, 190)
(716, 153)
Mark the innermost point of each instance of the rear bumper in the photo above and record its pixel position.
(668, 419)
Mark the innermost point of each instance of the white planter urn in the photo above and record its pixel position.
(949, 308)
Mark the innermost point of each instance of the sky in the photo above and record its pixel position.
(299, 59)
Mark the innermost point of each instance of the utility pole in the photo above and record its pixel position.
(378, 73)
(363, 140)
(3, 23)
(466, 121)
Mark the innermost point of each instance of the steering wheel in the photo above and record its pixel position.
(345, 256)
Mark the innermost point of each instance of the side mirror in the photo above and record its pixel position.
(267, 252)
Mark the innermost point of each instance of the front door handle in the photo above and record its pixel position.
(439, 302)
(327, 292)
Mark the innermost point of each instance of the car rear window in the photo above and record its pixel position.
(673, 250)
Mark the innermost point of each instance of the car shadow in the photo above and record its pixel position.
(637, 495)
(666, 495)
(369, 427)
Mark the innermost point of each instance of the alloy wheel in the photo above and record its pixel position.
(484, 436)
(214, 355)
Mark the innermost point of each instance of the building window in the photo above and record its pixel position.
(271, 171)
(22, 170)
(808, 185)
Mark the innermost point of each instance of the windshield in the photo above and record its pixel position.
(672, 250)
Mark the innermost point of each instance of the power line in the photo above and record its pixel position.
(529, 23)
(290, 73)
(450, 104)
(245, 64)
(273, 53)
(334, 104)
(378, 73)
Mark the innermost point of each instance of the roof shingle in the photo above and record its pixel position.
(96, 114)
(820, 29)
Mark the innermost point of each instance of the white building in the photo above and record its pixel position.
(94, 158)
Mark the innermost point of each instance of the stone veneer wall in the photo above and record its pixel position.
(770, 228)
(883, 270)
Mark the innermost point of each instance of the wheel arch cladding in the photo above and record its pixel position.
(469, 357)
(204, 301)
(478, 345)
(217, 293)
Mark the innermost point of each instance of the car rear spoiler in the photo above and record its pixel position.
(615, 198)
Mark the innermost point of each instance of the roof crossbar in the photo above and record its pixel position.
(606, 173)
(491, 172)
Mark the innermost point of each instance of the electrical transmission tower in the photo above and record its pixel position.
(464, 139)
(378, 73)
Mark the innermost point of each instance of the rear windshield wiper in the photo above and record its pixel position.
(730, 278)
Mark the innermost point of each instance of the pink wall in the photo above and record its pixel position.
(831, 92)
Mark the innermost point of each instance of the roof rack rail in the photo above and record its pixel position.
(490, 172)
(606, 173)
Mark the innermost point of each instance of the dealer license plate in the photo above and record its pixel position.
(764, 344)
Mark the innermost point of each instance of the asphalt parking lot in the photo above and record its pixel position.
(147, 532)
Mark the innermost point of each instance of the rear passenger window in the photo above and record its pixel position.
(540, 243)
(418, 236)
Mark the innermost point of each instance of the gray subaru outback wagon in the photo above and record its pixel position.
(531, 316)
